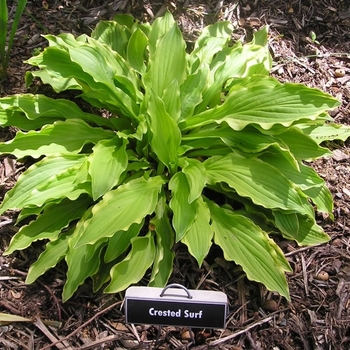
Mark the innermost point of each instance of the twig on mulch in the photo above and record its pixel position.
(305, 278)
(39, 324)
(6, 222)
(133, 330)
(236, 334)
(9, 307)
(302, 249)
(248, 328)
(83, 325)
(97, 342)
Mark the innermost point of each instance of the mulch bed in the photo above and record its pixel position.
(318, 316)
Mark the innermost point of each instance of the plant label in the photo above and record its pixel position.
(175, 305)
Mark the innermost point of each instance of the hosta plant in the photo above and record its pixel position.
(197, 147)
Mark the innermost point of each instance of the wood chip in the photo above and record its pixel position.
(339, 155)
(346, 191)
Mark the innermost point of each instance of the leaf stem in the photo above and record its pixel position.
(160, 168)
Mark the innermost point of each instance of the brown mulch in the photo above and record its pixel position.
(318, 316)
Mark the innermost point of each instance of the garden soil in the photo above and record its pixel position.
(310, 44)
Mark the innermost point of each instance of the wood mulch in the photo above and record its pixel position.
(318, 316)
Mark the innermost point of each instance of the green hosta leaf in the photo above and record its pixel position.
(249, 140)
(255, 179)
(39, 176)
(58, 70)
(250, 247)
(300, 228)
(218, 75)
(164, 258)
(289, 224)
(96, 60)
(113, 35)
(265, 102)
(199, 236)
(134, 266)
(301, 145)
(194, 148)
(165, 235)
(196, 176)
(306, 179)
(121, 208)
(102, 277)
(240, 62)
(165, 68)
(15, 117)
(58, 187)
(303, 176)
(108, 159)
(91, 249)
(61, 137)
(212, 39)
(64, 41)
(326, 132)
(136, 50)
(54, 252)
(120, 241)
(159, 28)
(215, 149)
(166, 136)
(184, 213)
(82, 178)
(27, 111)
(102, 87)
(322, 198)
(82, 262)
(315, 235)
(191, 91)
(125, 19)
(29, 211)
(49, 224)
(261, 37)
(79, 267)
(262, 62)
(260, 215)
(111, 63)
(171, 99)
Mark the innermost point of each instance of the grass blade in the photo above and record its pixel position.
(3, 32)
(19, 11)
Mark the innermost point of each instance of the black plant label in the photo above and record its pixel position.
(197, 309)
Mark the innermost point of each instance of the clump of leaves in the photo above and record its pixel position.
(196, 147)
